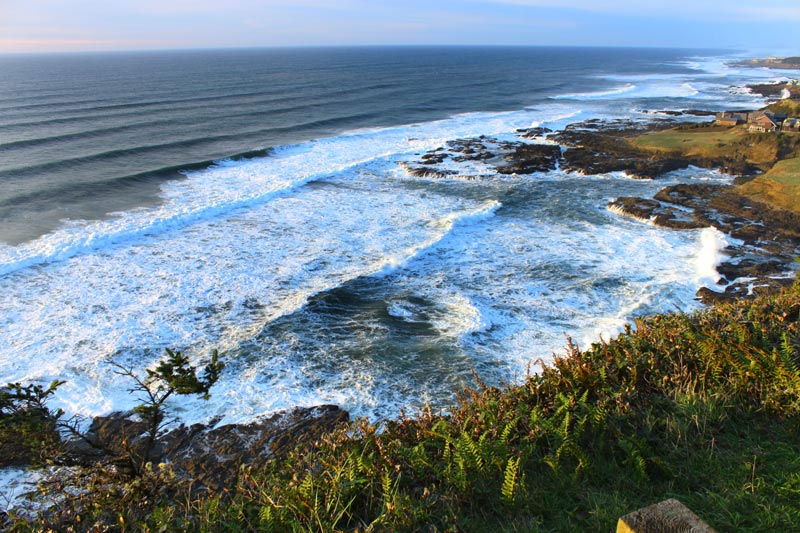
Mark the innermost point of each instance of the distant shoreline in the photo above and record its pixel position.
(772, 62)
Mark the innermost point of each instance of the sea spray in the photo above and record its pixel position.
(712, 243)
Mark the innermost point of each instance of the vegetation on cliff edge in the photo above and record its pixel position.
(703, 407)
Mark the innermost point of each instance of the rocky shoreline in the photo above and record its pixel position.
(766, 239)
(771, 62)
(209, 456)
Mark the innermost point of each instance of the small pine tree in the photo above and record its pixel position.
(173, 375)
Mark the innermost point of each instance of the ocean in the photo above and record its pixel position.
(255, 202)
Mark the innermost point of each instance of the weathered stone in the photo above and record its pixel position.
(532, 133)
(770, 236)
(669, 516)
(120, 434)
(530, 158)
(505, 157)
(210, 456)
(657, 213)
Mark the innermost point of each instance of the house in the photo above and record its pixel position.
(791, 124)
(730, 118)
(726, 119)
(764, 122)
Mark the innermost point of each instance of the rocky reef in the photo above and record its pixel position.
(495, 156)
(766, 239)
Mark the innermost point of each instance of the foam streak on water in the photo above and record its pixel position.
(324, 273)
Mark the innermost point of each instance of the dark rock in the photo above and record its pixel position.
(735, 291)
(752, 267)
(682, 113)
(505, 157)
(118, 436)
(597, 147)
(601, 147)
(532, 133)
(770, 236)
(427, 172)
(775, 90)
(530, 158)
(699, 113)
(622, 159)
(710, 297)
(210, 456)
(657, 213)
(433, 158)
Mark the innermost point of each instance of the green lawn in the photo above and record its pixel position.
(714, 143)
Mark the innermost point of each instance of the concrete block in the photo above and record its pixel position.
(669, 516)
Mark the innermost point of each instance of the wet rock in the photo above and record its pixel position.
(623, 159)
(118, 435)
(770, 237)
(532, 133)
(427, 172)
(504, 157)
(530, 158)
(681, 113)
(658, 213)
(596, 147)
(735, 291)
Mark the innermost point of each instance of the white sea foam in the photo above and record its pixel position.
(614, 92)
(231, 185)
(498, 269)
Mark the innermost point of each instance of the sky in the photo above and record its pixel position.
(101, 25)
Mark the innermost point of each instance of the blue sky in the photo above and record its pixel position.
(75, 25)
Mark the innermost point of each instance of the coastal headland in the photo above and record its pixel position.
(772, 62)
(759, 211)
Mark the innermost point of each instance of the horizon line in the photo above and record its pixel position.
(344, 46)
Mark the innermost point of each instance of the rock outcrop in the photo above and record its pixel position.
(210, 456)
(762, 261)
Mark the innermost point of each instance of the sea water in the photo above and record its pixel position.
(255, 202)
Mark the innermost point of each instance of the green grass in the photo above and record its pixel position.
(790, 107)
(777, 154)
(715, 143)
(703, 407)
(780, 186)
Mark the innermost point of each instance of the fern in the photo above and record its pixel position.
(510, 479)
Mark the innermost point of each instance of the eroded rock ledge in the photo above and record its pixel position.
(208, 456)
(769, 238)
(502, 157)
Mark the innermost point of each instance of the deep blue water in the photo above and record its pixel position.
(86, 134)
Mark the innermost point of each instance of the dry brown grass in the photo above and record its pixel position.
(780, 186)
